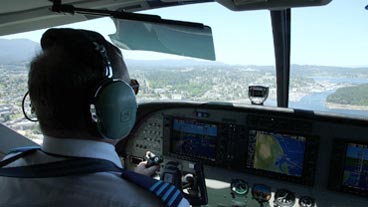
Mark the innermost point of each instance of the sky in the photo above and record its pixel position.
(333, 35)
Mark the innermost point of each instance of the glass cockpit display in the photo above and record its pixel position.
(349, 167)
(193, 138)
(356, 167)
(277, 153)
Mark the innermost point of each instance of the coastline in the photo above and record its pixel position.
(331, 105)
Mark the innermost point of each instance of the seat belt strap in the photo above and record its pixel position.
(167, 192)
(68, 167)
(22, 151)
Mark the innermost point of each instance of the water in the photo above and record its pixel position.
(316, 101)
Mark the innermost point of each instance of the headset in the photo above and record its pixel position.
(113, 106)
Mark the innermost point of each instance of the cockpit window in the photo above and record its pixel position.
(243, 45)
(328, 73)
(244, 56)
(329, 70)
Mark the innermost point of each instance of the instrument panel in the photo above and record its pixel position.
(254, 155)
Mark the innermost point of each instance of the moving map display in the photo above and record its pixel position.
(278, 153)
(194, 139)
(356, 167)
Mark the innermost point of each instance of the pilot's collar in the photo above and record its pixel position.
(80, 148)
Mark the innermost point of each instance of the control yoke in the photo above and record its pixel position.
(193, 185)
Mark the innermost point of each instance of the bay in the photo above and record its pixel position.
(317, 101)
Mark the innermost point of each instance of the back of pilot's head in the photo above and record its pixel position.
(63, 77)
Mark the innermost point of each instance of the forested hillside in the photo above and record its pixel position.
(354, 95)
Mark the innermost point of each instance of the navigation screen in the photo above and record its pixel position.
(194, 139)
(356, 167)
(279, 153)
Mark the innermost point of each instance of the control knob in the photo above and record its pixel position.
(306, 201)
(284, 198)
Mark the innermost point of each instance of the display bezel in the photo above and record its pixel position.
(337, 167)
(309, 162)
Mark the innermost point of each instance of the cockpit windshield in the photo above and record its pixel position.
(329, 70)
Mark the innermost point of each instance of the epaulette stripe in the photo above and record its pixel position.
(168, 193)
(174, 197)
(177, 201)
(152, 188)
(162, 188)
(171, 195)
(164, 191)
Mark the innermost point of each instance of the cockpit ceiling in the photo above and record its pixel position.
(24, 15)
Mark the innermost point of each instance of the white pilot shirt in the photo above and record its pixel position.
(96, 189)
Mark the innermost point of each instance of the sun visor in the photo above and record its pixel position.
(176, 37)
(243, 5)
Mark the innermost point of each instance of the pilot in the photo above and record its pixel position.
(81, 93)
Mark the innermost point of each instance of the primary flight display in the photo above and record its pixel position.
(194, 138)
(356, 167)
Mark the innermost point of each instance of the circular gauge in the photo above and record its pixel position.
(284, 198)
(239, 187)
(261, 193)
(306, 201)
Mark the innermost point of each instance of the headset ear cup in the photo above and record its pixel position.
(116, 109)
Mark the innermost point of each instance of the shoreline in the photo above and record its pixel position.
(331, 105)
